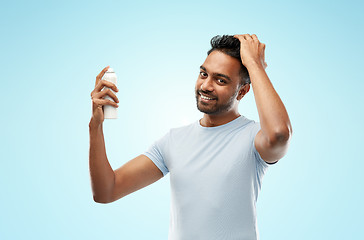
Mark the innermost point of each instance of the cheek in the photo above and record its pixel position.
(226, 94)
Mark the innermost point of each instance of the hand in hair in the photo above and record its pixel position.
(251, 50)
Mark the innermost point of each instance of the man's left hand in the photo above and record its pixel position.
(251, 50)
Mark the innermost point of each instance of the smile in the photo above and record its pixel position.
(205, 98)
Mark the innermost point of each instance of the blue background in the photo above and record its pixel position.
(51, 52)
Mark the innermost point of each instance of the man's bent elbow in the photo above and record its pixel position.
(102, 199)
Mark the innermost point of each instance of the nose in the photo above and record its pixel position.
(207, 85)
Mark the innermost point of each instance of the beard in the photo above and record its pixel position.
(216, 107)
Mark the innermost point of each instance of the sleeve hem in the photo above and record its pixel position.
(257, 154)
(161, 168)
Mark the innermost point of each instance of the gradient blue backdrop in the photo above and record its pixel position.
(51, 52)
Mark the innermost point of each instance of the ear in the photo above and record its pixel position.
(242, 91)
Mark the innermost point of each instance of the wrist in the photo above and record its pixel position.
(254, 66)
(94, 126)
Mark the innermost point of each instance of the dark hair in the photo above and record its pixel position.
(230, 46)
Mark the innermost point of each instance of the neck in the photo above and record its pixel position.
(210, 120)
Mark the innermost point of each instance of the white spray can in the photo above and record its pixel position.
(110, 112)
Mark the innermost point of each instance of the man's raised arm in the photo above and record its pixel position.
(273, 139)
(109, 185)
(102, 175)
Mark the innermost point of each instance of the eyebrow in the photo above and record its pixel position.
(217, 74)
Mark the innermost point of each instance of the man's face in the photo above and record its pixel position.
(218, 80)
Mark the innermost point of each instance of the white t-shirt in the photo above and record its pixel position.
(215, 176)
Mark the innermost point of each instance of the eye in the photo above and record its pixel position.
(221, 80)
(201, 74)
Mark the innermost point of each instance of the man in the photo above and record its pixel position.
(217, 163)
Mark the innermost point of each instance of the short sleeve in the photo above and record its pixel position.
(156, 153)
(256, 129)
(261, 164)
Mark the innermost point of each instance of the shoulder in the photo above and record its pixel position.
(249, 126)
(182, 129)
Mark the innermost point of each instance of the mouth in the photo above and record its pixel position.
(206, 98)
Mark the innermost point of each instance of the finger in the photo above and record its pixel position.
(101, 74)
(102, 83)
(102, 102)
(242, 37)
(238, 36)
(247, 37)
(254, 37)
(100, 86)
(107, 92)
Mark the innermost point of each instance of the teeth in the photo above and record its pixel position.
(207, 98)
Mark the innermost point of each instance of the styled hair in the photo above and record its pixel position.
(230, 45)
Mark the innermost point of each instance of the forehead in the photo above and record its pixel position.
(219, 62)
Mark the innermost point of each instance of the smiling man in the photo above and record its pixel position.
(216, 163)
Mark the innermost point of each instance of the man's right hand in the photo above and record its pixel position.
(98, 100)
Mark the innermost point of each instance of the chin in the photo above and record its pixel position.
(202, 109)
